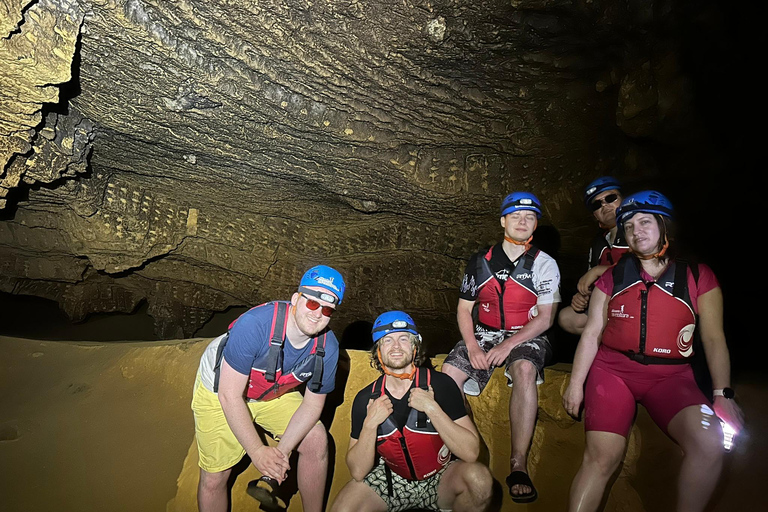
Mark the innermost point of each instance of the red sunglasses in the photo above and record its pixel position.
(312, 305)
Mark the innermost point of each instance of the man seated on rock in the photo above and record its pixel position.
(251, 375)
(602, 197)
(413, 445)
(516, 288)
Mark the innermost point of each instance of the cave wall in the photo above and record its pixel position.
(198, 156)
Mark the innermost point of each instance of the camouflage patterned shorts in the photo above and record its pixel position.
(536, 350)
(406, 494)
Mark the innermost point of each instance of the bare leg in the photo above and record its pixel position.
(523, 406)
(698, 432)
(212, 491)
(602, 456)
(571, 321)
(465, 487)
(358, 497)
(458, 376)
(312, 468)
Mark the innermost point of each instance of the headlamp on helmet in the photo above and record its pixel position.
(393, 321)
(326, 277)
(521, 201)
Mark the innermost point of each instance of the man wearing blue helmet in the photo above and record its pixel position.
(602, 196)
(250, 375)
(515, 287)
(637, 347)
(409, 427)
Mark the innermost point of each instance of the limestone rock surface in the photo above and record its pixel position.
(200, 155)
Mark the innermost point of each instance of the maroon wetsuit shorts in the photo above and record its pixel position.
(616, 384)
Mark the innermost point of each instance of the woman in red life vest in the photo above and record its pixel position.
(636, 348)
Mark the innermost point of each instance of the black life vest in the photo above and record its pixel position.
(654, 322)
(509, 304)
(417, 452)
(267, 380)
(603, 253)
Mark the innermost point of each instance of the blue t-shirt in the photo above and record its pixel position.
(248, 344)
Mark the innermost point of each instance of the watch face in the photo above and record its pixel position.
(728, 393)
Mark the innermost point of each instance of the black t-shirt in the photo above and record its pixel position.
(447, 395)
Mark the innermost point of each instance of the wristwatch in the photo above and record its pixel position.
(724, 392)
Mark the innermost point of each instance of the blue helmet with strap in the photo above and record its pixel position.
(325, 277)
(647, 201)
(601, 184)
(393, 321)
(519, 201)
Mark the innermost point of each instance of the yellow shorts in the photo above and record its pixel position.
(217, 445)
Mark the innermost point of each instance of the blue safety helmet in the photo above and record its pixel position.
(325, 277)
(517, 201)
(600, 185)
(648, 201)
(393, 321)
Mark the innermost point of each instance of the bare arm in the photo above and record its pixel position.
(477, 356)
(716, 350)
(460, 436)
(302, 421)
(586, 351)
(538, 325)
(361, 454)
(588, 279)
(231, 389)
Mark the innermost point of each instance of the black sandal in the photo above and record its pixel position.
(521, 478)
(264, 490)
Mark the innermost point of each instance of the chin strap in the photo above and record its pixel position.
(527, 243)
(403, 376)
(654, 255)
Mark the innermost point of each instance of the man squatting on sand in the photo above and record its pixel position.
(250, 375)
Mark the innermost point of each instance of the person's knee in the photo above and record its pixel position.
(457, 375)
(706, 446)
(523, 372)
(343, 505)
(479, 481)
(213, 482)
(315, 443)
(605, 461)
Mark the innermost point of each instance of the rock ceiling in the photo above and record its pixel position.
(199, 155)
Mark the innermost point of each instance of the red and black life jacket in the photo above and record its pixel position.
(652, 322)
(267, 380)
(603, 253)
(506, 305)
(417, 452)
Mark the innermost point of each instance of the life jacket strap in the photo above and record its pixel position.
(646, 359)
(423, 380)
(217, 365)
(276, 340)
(317, 373)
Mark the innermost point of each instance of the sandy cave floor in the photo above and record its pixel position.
(94, 426)
(107, 427)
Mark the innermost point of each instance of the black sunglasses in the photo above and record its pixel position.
(598, 203)
(312, 305)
